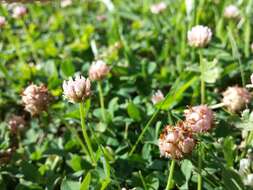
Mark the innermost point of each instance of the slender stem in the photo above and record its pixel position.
(202, 78)
(199, 171)
(101, 98)
(216, 106)
(170, 178)
(202, 102)
(143, 181)
(144, 130)
(73, 131)
(236, 53)
(85, 135)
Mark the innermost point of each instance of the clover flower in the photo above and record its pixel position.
(231, 12)
(36, 99)
(157, 97)
(76, 90)
(199, 118)
(98, 70)
(236, 98)
(199, 36)
(158, 7)
(176, 142)
(2, 21)
(16, 123)
(19, 11)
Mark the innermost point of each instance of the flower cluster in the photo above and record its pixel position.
(16, 124)
(2, 21)
(175, 142)
(77, 90)
(98, 70)
(199, 36)
(236, 98)
(19, 12)
(157, 97)
(158, 7)
(36, 99)
(231, 12)
(199, 118)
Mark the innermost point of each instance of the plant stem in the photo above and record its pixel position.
(101, 98)
(199, 171)
(85, 135)
(144, 130)
(202, 102)
(170, 178)
(202, 78)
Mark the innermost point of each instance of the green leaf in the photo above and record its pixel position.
(70, 185)
(67, 68)
(86, 182)
(133, 111)
(228, 150)
(211, 70)
(232, 180)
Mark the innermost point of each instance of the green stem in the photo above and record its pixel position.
(199, 171)
(85, 135)
(144, 130)
(73, 131)
(170, 178)
(236, 53)
(202, 78)
(202, 102)
(143, 181)
(101, 98)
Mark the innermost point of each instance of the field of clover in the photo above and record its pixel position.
(126, 95)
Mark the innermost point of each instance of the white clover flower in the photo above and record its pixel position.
(19, 11)
(36, 99)
(157, 97)
(98, 70)
(175, 142)
(2, 21)
(77, 90)
(236, 98)
(231, 12)
(199, 118)
(158, 7)
(16, 124)
(199, 36)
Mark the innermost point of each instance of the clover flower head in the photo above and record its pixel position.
(199, 36)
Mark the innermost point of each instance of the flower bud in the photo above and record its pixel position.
(98, 70)
(199, 36)
(36, 99)
(231, 12)
(158, 7)
(16, 123)
(2, 21)
(175, 142)
(77, 90)
(157, 97)
(236, 98)
(199, 118)
(19, 12)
